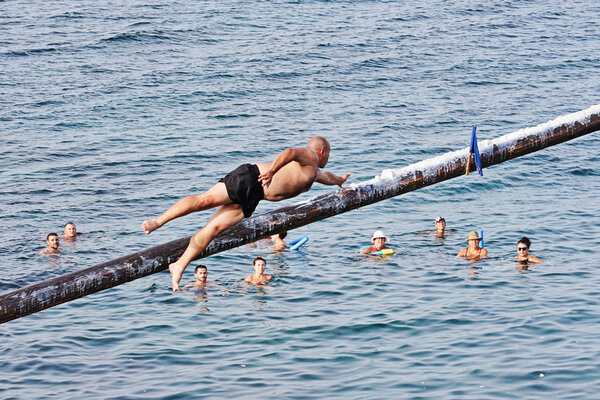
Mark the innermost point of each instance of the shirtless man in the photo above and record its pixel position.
(237, 194)
(258, 277)
(440, 228)
(70, 232)
(52, 241)
(201, 274)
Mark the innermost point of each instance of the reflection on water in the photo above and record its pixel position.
(202, 299)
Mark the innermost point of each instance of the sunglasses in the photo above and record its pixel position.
(521, 248)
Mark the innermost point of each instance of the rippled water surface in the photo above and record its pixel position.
(110, 112)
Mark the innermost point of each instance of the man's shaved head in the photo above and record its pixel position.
(317, 143)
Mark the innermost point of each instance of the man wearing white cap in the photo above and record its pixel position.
(379, 239)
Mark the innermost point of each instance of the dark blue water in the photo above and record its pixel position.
(110, 112)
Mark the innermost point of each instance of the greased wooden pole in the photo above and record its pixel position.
(390, 183)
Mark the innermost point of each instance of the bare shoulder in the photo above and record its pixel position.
(305, 156)
(367, 250)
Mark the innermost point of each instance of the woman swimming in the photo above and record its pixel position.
(473, 252)
(523, 255)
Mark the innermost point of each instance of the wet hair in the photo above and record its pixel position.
(200, 267)
(51, 234)
(525, 240)
(258, 259)
(282, 235)
(69, 223)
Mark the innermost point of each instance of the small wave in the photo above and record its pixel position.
(140, 23)
(375, 63)
(138, 37)
(69, 15)
(30, 52)
(584, 172)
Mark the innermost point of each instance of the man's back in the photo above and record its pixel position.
(293, 178)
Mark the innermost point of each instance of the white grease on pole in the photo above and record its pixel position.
(430, 166)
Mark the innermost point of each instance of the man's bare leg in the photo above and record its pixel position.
(225, 216)
(213, 197)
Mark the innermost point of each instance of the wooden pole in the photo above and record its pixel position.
(391, 183)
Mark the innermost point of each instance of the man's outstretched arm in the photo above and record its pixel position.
(328, 178)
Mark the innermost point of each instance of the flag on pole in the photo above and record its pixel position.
(474, 152)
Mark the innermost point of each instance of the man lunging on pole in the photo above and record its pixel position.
(236, 195)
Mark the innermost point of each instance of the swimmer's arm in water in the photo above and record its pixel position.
(462, 252)
(534, 259)
(329, 178)
(367, 250)
(278, 247)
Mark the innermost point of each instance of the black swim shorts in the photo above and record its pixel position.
(244, 188)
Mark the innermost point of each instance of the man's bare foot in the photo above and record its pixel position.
(149, 225)
(176, 274)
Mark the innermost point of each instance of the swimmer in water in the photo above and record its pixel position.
(201, 274)
(440, 228)
(473, 252)
(379, 239)
(70, 232)
(53, 243)
(258, 277)
(279, 244)
(277, 240)
(523, 255)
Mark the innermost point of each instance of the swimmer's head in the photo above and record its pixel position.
(52, 240)
(259, 265)
(379, 239)
(523, 246)
(379, 235)
(70, 229)
(473, 236)
(525, 240)
(201, 273)
(440, 223)
(199, 267)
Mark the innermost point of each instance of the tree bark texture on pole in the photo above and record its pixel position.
(390, 183)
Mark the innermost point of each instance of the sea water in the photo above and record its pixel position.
(111, 111)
